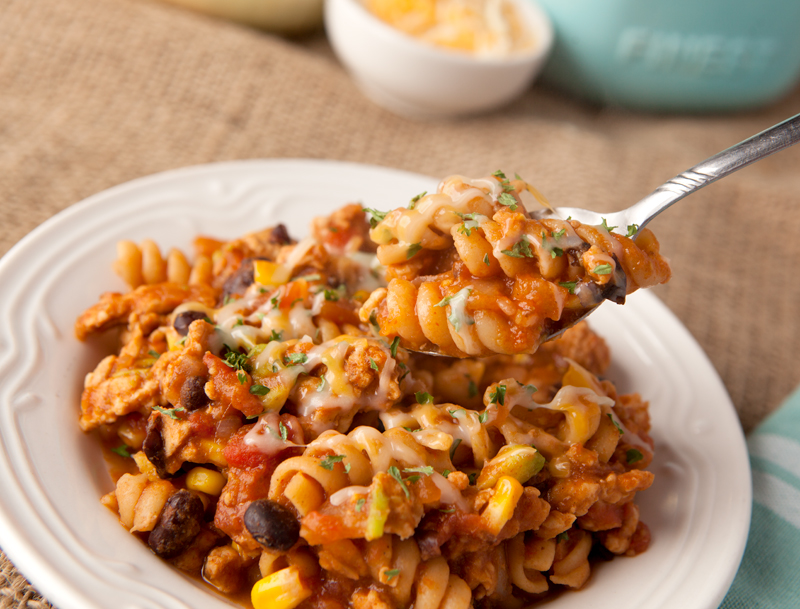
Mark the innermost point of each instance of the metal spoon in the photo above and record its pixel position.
(774, 139)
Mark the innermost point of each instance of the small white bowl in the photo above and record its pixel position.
(418, 80)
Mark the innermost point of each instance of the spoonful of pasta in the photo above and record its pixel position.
(471, 272)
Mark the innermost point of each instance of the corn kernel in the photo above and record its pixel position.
(280, 590)
(269, 273)
(502, 504)
(205, 481)
(213, 452)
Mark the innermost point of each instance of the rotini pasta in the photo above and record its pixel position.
(481, 277)
(263, 436)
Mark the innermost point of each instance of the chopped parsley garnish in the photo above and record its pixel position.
(153, 353)
(239, 322)
(521, 249)
(329, 461)
(395, 344)
(569, 285)
(602, 269)
(614, 421)
(423, 397)
(473, 477)
(395, 473)
(606, 226)
(530, 389)
(321, 385)
(391, 574)
(375, 216)
(486, 259)
(508, 200)
(458, 303)
(412, 250)
(258, 389)
(483, 416)
(472, 388)
(373, 319)
(413, 203)
(373, 365)
(632, 230)
(331, 295)
(170, 412)
(504, 181)
(422, 469)
(283, 430)
(276, 335)
(470, 222)
(632, 455)
(564, 536)
(446, 473)
(456, 413)
(297, 359)
(360, 504)
(121, 450)
(498, 395)
(242, 378)
(453, 447)
(274, 301)
(237, 361)
(558, 234)
(448, 511)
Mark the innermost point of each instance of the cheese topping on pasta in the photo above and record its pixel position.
(265, 431)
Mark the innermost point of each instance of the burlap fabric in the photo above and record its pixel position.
(97, 92)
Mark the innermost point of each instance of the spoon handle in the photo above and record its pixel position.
(774, 139)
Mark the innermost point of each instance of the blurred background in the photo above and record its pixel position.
(609, 99)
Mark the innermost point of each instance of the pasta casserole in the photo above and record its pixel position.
(263, 435)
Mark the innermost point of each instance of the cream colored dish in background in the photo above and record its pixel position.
(416, 79)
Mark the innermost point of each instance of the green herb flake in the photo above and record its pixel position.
(632, 456)
(498, 395)
(423, 397)
(483, 416)
(562, 537)
(395, 473)
(448, 511)
(373, 320)
(237, 361)
(321, 385)
(391, 574)
(413, 249)
(154, 353)
(297, 359)
(121, 450)
(373, 365)
(558, 234)
(606, 226)
(569, 285)
(170, 412)
(360, 504)
(413, 203)
(446, 473)
(472, 388)
(614, 421)
(422, 469)
(486, 259)
(521, 249)
(473, 478)
(242, 378)
(453, 447)
(329, 461)
(258, 389)
(602, 269)
(395, 344)
(508, 200)
(239, 322)
(632, 230)
(375, 216)
(283, 430)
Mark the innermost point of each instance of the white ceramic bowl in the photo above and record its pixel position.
(418, 80)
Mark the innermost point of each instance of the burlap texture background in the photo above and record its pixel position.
(98, 92)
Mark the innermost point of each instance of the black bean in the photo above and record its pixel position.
(193, 393)
(237, 284)
(272, 525)
(153, 445)
(280, 235)
(184, 320)
(179, 523)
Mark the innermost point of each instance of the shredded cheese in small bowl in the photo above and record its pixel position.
(486, 28)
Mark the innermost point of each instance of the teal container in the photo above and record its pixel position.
(675, 55)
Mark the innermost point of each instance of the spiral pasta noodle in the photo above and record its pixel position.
(273, 443)
(483, 278)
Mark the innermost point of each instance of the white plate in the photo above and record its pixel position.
(75, 552)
